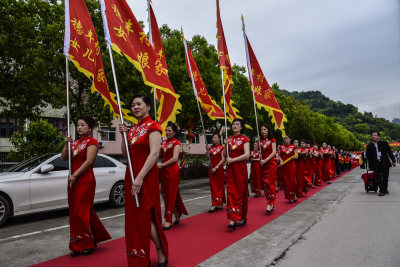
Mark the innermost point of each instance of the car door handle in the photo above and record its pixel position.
(112, 171)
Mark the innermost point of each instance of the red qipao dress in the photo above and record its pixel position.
(312, 165)
(326, 165)
(308, 164)
(318, 168)
(255, 173)
(268, 171)
(236, 180)
(333, 165)
(138, 220)
(289, 171)
(300, 173)
(170, 181)
(84, 223)
(217, 179)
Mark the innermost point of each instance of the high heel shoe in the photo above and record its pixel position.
(162, 264)
(165, 228)
(212, 210)
(233, 226)
(75, 253)
(241, 223)
(178, 221)
(268, 211)
(88, 251)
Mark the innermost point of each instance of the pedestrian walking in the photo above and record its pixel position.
(169, 172)
(216, 173)
(143, 223)
(268, 166)
(86, 229)
(236, 175)
(378, 154)
(288, 168)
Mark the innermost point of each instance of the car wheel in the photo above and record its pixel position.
(117, 195)
(4, 210)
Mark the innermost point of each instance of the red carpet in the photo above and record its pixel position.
(194, 240)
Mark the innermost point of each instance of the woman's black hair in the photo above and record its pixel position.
(219, 136)
(173, 126)
(270, 135)
(240, 121)
(146, 99)
(89, 120)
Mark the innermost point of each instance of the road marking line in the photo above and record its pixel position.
(66, 226)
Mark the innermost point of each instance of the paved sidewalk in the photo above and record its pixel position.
(333, 225)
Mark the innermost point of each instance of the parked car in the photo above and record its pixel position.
(40, 184)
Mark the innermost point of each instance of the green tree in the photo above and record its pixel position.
(38, 138)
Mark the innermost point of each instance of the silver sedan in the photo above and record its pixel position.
(40, 184)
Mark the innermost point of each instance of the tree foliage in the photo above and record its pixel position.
(38, 138)
(360, 124)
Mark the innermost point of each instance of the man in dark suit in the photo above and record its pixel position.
(378, 154)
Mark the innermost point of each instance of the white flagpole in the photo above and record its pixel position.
(151, 41)
(252, 84)
(67, 39)
(197, 99)
(68, 115)
(109, 43)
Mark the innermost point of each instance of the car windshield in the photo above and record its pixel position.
(29, 164)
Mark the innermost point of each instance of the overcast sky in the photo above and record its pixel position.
(347, 49)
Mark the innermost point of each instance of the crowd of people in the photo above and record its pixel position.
(294, 167)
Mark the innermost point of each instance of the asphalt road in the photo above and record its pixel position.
(360, 230)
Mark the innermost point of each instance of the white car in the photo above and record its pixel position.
(40, 184)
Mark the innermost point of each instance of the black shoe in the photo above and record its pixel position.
(241, 223)
(88, 251)
(165, 228)
(218, 208)
(212, 210)
(381, 194)
(233, 226)
(75, 253)
(269, 211)
(178, 221)
(163, 264)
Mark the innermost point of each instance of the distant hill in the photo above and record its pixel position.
(360, 124)
(396, 121)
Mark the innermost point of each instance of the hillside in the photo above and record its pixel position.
(360, 124)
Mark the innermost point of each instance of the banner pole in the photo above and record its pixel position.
(68, 114)
(151, 41)
(226, 124)
(197, 99)
(122, 121)
(252, 85)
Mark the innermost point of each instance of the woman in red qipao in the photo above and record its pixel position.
(255, 173)
(326, 163)
(287, 152)
(318, 167)
(216, 173)
(144, 222)
(268, 166)
(299, 168)
(169, 170)
(236, 175)
(86, 228)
